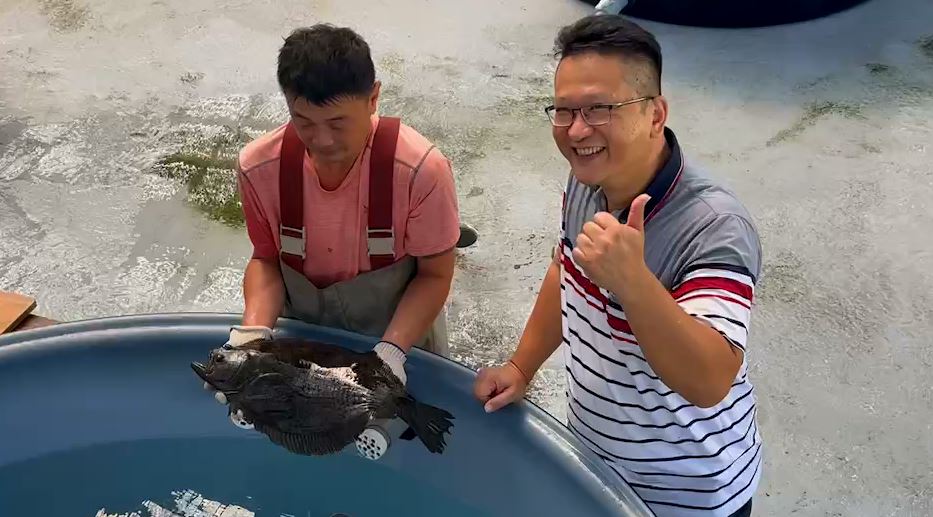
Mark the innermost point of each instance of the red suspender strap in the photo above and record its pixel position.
(380, 235)
(291, 200)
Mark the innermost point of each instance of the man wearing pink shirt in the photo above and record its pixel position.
(353, 217)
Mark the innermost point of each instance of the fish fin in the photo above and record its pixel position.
(316, 443)
(409, 434)
(292, 350)
(428, 422)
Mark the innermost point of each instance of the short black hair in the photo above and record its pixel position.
(322, 63)
(609, 34)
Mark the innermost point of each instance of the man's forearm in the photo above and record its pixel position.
(421, 302)
(689, 356)
(263, 292)
(543, 332)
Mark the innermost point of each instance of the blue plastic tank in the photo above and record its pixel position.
(106, 417)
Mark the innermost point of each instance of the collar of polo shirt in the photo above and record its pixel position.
(660, 186)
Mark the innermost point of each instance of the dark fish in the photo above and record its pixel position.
(314, 398)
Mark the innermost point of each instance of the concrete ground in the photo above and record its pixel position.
(118, 119)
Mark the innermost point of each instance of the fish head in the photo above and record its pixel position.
(225, 367)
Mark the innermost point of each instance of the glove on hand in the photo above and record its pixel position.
(240, 335)
(374, 441)
(393, 356)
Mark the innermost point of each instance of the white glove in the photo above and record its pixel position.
(393, 356)
(240, 335)
(374, 441)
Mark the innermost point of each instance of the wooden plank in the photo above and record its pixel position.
(14, 308)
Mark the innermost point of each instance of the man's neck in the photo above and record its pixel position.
(331, 175)
(635, 181)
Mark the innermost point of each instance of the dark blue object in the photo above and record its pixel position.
(106, 414)
(733, 14)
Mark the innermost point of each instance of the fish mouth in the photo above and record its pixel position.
(201, 370)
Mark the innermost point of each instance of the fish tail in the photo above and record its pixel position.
(428, 422)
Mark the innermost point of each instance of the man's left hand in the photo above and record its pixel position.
(610, 252)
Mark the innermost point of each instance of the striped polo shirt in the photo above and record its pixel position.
(702, 246)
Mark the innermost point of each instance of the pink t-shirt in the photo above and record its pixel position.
(425, 212)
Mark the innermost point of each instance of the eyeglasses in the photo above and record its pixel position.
(595, 115)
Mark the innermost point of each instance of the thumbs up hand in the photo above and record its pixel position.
(610, 252)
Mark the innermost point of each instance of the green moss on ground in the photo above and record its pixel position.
(812, 114)
(65, 15)
(878, 68)
(209, 172)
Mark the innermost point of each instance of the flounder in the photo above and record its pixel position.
(315, 398)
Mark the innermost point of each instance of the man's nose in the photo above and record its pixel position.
(321, 138)
(579, 129)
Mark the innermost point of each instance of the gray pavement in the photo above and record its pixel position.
(823, 128)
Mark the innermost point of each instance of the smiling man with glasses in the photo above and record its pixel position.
(650, 290)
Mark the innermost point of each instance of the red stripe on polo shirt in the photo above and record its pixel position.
(615, 323)
(725, 284)
(584, 282)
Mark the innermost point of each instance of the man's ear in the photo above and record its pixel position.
(374, 97)
(658, 115)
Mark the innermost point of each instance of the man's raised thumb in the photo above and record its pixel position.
(636, 213)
